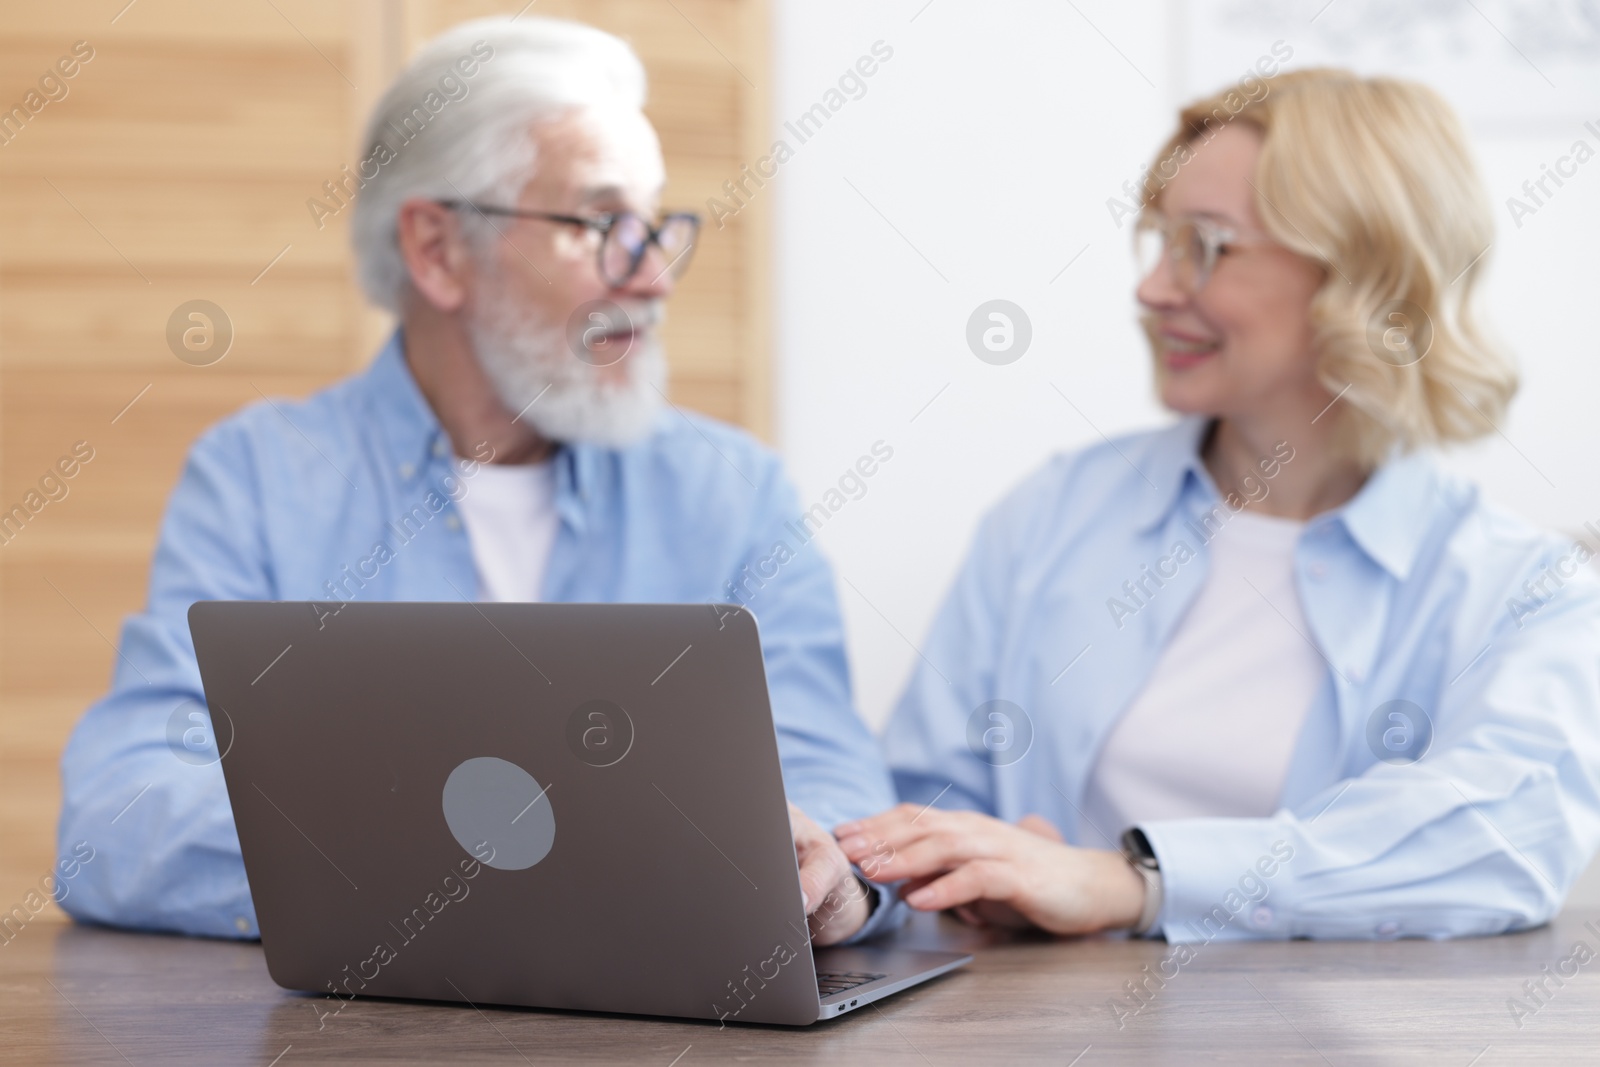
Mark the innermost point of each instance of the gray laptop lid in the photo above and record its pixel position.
(553, 805)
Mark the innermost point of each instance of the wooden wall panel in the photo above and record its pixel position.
(177, 167)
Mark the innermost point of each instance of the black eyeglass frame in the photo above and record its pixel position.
(603, 225)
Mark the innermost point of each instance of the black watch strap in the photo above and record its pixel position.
(1136, 847)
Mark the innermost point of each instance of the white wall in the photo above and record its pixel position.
(990, 141)
(984, 151)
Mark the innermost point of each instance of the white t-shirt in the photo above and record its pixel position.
(1214, 729)
(510, 515)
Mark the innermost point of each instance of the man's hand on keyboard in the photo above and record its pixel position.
(836, 901)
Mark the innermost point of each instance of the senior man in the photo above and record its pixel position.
(510, 442)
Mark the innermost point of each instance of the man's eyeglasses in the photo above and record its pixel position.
(1190, 245)
(625, 238)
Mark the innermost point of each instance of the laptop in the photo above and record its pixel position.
(563, 806)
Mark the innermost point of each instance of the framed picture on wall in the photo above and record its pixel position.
(1504, 64)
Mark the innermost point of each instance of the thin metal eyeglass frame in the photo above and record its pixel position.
(1213, 236)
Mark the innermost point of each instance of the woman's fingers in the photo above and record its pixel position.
(1037, 824)
(941, 848)
(996, 873)
(926, 856)
(886, 841)
(898, 822)
(979, 880)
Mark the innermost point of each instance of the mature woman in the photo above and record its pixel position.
(1269, 672)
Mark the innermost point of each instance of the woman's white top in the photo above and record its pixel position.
(1213, 730)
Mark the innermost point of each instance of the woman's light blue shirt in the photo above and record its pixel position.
(1481, 633)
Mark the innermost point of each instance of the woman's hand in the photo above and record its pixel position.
(993, 872)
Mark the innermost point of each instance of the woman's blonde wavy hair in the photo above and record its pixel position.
(1372, 178)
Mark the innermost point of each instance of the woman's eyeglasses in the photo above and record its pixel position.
(625, 238)
(1191, 246)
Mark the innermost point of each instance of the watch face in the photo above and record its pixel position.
(1137, 848)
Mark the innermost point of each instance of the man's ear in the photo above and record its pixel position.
(435, 252)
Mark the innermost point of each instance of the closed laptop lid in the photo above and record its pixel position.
(553, 805)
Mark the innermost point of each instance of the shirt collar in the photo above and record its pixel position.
(403, 416)
(1389, 517)
(1167, 467)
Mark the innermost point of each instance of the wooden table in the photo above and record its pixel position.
(83, 995)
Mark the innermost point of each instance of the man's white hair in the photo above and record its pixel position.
(448, 135)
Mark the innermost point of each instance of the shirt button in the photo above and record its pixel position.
(407, 470)
(242, 924)
(1354, 674)
(1318, 571)
(439, 447)
(1388, 929)
(452, 522)
(1262, 916)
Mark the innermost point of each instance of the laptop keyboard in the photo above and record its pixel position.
(832, 982)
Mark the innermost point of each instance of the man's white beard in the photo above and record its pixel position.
(562, 397)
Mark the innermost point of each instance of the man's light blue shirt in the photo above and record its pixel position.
(288, 501)
(1413, 591)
